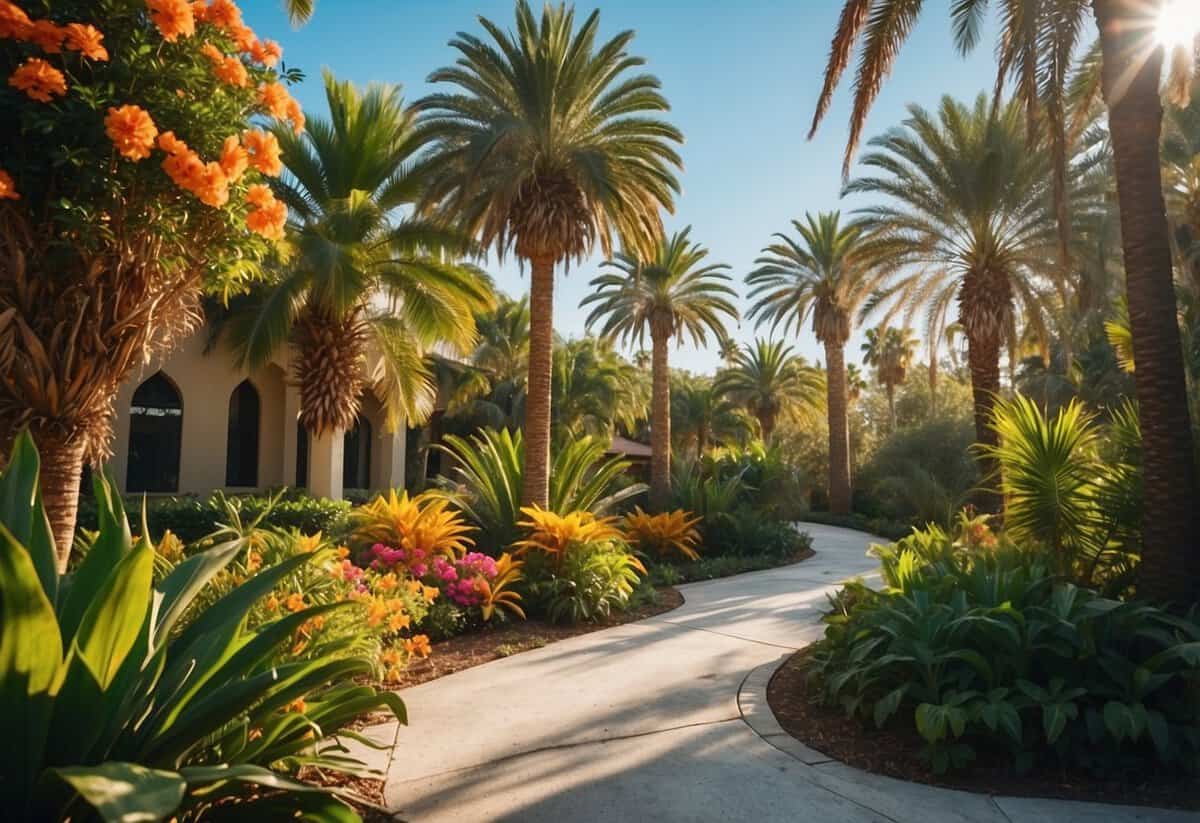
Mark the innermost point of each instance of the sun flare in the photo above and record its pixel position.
(1178, 22)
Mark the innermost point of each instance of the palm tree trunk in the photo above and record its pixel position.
(839, 431)
(61, 469)
(983, 358)
(766, 425)
(537, 403)
(1170, 567)
(891, 396)
(660, 425)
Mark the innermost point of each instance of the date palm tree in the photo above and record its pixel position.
(967, 207)
(701, 415)
(672, 296)
(358, 275)
(549, 147)
(492, 386)
(890, 351)
(824, 273)
(771, 382)
(1037, 41)
(596, 390)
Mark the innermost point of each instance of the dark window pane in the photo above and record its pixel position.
(241, 451)
(155, 436)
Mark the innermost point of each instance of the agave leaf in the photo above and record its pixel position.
(112, 622)
(185, 581)
(30, 661)
(126, 792)
(21, 511)
(113, 541)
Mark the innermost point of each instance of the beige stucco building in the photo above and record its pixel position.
(192, 423)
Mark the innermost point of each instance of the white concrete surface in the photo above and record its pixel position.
(643, 723)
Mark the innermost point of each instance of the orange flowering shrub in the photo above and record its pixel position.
(141, 126)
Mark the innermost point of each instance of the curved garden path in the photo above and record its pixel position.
(652, 721)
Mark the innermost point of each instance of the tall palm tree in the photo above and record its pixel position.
(770, 382)
(825, 272)
(549, 147)
(359, 274)
(856, 384)
(1037, 41)
(728, 349)
(967, 208)
(673, 295)
(701, 415)
(890, 351)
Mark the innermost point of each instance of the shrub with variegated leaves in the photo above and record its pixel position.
(663, 534)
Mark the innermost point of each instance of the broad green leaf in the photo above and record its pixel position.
(886, 706)
(113, 542)
(30, 662)
(21, 511)
(186, 580)
(126, 792)
(113, 621)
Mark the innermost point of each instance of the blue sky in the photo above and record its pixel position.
(742, 79)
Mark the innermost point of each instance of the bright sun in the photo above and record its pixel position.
(1179, 22)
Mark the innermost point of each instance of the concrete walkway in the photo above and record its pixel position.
(643, 722)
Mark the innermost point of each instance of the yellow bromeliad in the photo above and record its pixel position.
(553, 533)
(663, 533)
(424, 522)
(497, 594)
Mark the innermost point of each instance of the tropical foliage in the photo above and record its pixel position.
(114, 679)
(663, 534)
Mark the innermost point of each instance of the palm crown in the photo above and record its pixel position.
(551, 146)
(826, 272)
(675, 293)
(769, 381)
(356, 272)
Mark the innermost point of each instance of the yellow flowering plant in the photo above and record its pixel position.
(397, 529)
(553, 534)
(663, 534)
(137, 149)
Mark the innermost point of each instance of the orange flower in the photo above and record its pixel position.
(87, 40)
(223, 14)
(200, 11)
(295, 602)
(168, 142)
(342, 551)
(131, 130)
(14, 22)
(243, 36)
(298, 705)
(266, 52)
(254, 734)
(295, 115)
(268, 221)
(430, 593)
(231, 71)
(387, 583)
(253, 561)
(398, 621)
(233, 159)
(274, 98)
(272, 603)
(418, 645)
(47, 36)
(212, 53)
(264, 152)
(39, 80)
(8, 189)
(174, 18)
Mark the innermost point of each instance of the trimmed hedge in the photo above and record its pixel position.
(191, 518)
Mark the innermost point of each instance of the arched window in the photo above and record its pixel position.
(356, 456)
(301, 456)
(241, 447)
(155, 436)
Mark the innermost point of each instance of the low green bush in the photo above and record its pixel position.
(748, 531)
(192, 518)
(122, 701)
(977, 648)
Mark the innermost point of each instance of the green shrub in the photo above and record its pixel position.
(115, 704)
(490, 466)
(192, 518)
(748, 531)
(977, 648)
(890, 529)
(594, 579)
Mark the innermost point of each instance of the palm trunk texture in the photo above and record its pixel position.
(1170, 567)
(983, 358)
(61, 470)
(660, 426)
(839, 435)
(537, 404)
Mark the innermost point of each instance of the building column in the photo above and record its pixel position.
(394, 450)
(291, 413)
(325, 460)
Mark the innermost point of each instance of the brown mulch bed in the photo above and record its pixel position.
(894, 753)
